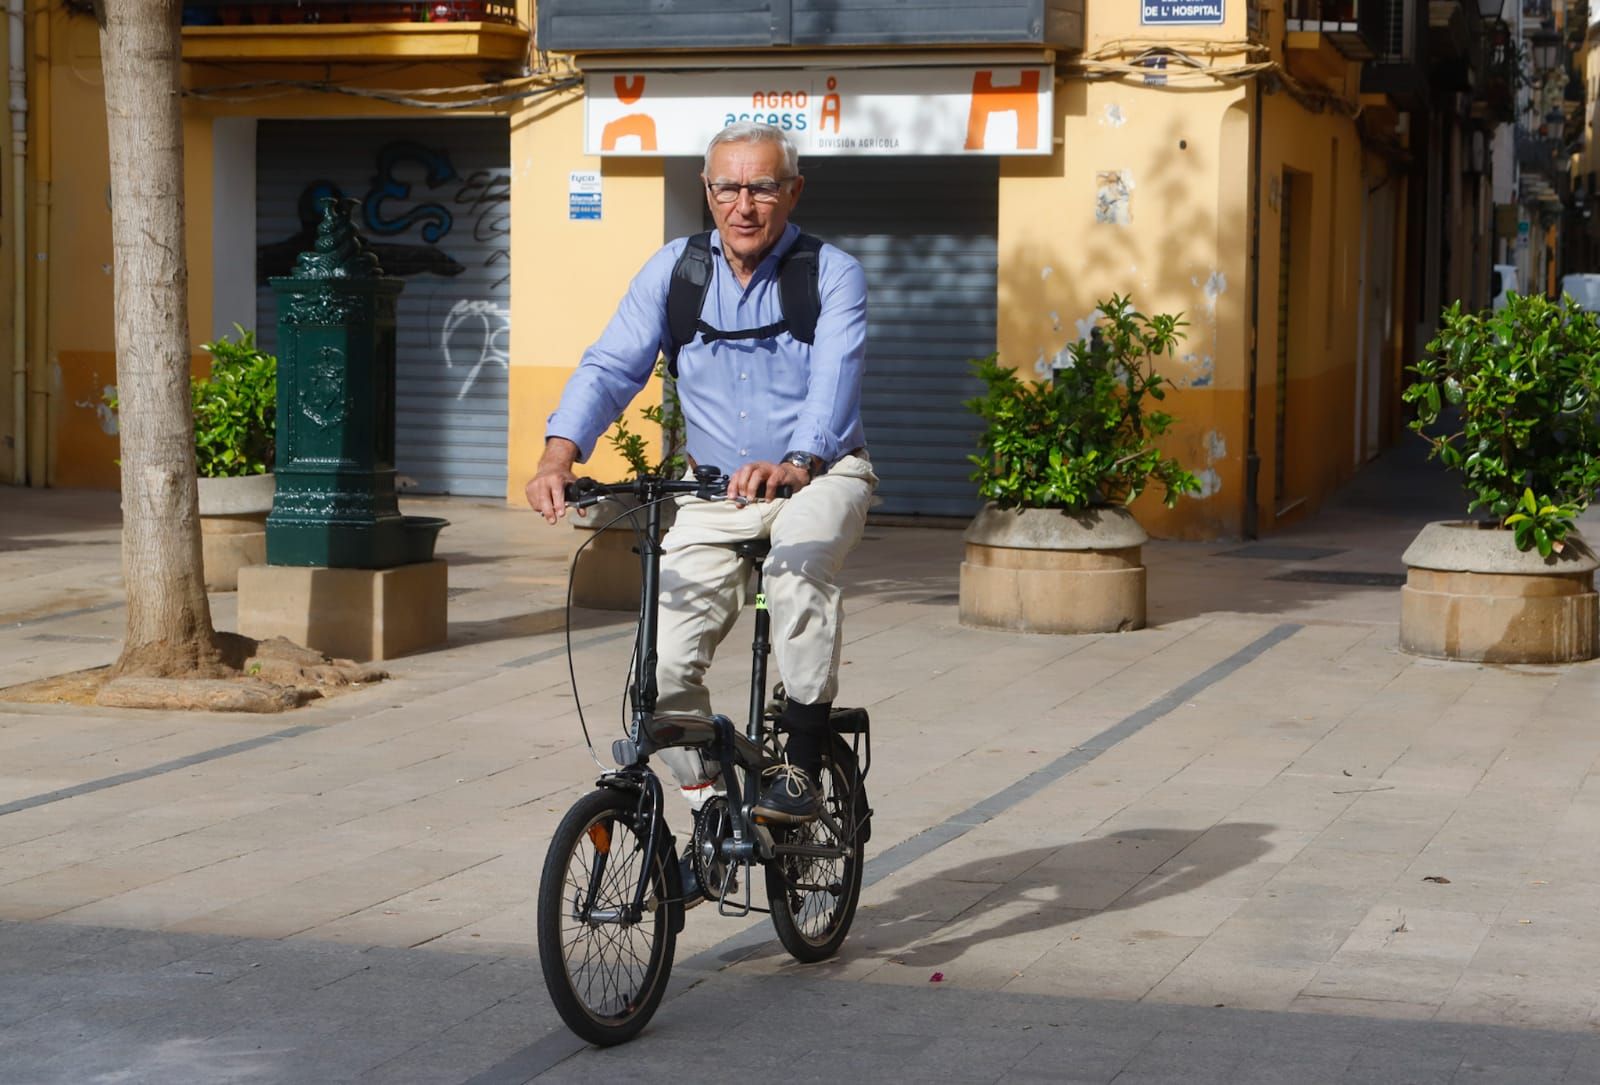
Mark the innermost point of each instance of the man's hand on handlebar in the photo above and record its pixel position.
(762, 481)
(546, 490)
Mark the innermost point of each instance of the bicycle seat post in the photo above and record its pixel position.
(756, 551)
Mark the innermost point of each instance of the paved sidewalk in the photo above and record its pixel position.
(1253, 842)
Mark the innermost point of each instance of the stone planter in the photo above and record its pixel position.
(1046, 571)
(606, 576)
(1470, 594)
(233, 526)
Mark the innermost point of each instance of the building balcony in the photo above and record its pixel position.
(1539, 155)
(1355, 28)
(1396, 72)
(323, 31)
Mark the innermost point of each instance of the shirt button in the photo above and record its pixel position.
(744, 376)
(744, 414)
(744, 452)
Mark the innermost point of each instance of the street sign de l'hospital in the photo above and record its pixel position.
(1181, 12)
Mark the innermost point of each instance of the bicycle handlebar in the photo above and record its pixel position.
(709, 483)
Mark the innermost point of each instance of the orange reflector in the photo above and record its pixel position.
(601, 837)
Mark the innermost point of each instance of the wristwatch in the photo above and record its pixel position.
(803, 460)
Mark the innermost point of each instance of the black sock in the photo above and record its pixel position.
(807, 725)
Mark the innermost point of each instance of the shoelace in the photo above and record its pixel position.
(795, 780)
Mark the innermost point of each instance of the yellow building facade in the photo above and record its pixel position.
(1235, 175)
(1149, 191)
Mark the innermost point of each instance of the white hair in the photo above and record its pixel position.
(756, 132)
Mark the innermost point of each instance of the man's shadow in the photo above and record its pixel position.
(1047, 887)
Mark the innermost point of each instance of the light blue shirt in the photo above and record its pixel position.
(743, 399)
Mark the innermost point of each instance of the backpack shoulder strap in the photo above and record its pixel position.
(798, 291)
(686, 295)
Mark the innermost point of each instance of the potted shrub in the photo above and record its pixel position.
(235, 424)
(1509, 400)
(235, 419)
(1055, 549)
(605, 575)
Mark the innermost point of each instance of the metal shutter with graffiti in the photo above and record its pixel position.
(436, 208)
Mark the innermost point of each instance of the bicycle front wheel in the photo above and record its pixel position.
(605, 968)
(813, 900)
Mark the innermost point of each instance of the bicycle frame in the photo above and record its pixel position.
(750, 752)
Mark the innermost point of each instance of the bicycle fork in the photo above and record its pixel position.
(649, 810)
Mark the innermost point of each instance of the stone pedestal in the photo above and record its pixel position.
(1471, 595)
(359, 614)
(1045, 571)
(233, 526)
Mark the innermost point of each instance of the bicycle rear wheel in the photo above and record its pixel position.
(605, 970)
(813, 900)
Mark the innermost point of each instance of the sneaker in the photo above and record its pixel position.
(789, 799)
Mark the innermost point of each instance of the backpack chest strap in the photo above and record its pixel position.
(708, 334)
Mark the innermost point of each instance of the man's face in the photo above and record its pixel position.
(749, 227)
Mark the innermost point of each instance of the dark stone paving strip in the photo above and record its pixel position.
(88, 787)
(561, 649)
(59, 615)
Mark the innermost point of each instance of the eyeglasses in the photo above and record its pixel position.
(760, 191)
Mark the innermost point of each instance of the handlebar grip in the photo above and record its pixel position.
(778, 493)
(583, 490)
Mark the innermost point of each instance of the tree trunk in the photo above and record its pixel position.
(169, 629)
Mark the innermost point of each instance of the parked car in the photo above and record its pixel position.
(1585, 290)
(1502, 283)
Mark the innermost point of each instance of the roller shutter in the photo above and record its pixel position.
(436, 208)
(924, 231)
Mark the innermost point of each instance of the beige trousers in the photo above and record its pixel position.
(703, 585)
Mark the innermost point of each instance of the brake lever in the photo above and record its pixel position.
(581, 493)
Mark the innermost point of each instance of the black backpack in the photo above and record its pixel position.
(798, 296)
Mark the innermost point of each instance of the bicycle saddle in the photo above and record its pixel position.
(754, 549)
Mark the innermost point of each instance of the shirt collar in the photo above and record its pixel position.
(786, 241)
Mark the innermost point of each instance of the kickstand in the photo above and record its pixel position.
(735, 909)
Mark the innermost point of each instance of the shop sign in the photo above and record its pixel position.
(839, 111)
(1180, 12)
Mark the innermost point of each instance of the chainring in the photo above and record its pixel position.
(712, 824)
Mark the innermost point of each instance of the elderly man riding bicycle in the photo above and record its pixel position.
(766, 328)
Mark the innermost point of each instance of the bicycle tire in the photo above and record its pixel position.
(577, 955)
(811, 926)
